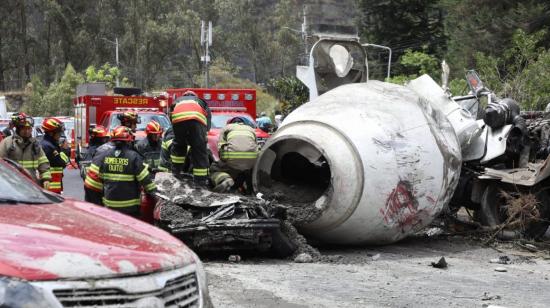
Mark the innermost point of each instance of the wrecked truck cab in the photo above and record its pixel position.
(57, 252)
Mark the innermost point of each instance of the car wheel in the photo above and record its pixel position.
(494, 210)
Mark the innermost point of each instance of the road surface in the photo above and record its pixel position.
(397, 275)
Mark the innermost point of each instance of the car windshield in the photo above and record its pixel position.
(220, 120)
(16, 188)
(144, 119)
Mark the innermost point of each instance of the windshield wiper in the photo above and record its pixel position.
(17, 201)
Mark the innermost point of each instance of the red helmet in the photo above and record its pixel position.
(122, 133)
(99, 132)
(190, 93)
(21, 119)
(52, 125)
(128, 116)
(153, 127)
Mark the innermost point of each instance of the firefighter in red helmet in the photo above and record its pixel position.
(190, 122)
(58, 157)
(150, 147)
(115, 177)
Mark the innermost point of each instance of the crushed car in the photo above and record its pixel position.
(59, 252)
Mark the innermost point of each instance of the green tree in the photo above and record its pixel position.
(290, 91)
(105, 73)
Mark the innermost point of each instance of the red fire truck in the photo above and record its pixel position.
(224, 105)
(93, 107)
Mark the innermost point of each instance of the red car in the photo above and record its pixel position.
(219, 120)
(57, 252)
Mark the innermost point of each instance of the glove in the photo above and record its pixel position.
(46, 185)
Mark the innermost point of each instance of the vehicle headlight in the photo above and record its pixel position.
(17, 293)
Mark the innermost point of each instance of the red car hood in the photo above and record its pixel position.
(78, 240)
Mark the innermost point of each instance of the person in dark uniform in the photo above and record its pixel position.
(150, 147)
(57, 156)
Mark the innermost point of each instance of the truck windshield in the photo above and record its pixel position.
(16, 188)
(220, 120)
(144, 118)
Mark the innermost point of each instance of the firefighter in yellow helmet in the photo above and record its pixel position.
(114, 178)
(24, 149)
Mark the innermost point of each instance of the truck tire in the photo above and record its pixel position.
(493, 210)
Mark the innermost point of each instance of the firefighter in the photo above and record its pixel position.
(98, 137)
(115, 177)
(57, 156)
(166, 148)
(24, 149)
(127, 119)
(238, 151)
(150, 147)
(190, 122)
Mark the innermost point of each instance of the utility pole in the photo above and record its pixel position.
(116, 44)
(206, 42)
(116, 52)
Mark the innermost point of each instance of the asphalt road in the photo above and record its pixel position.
(397, 275)
(73, 186)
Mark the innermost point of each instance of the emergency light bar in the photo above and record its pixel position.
(135, 109)
(228, 108)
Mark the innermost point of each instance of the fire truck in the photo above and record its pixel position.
(92, 106)
(224, 105)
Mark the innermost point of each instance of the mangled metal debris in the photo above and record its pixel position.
(209, 221)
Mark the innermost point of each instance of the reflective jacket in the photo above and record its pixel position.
(166, 147)
(150, 153)
(27, 153)
(237, 146)
(58, 161)
(117, 175)
(193, 108)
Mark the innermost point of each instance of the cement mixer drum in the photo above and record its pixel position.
(376, 161)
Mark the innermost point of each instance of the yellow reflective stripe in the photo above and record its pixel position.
(150, 187)
(55, 185)
(94, 168)
(42, 160)
(56, 170)
(125, 203)
(166, 144)
(239, 155)
(144, 173)
(177, 159)
(117, 177)
(188, 115)
(64, 157)
(29, 164)
(161, 168)
(46, 175)
(95, 184)
(219, 177)
(233, 134)
(200, 171)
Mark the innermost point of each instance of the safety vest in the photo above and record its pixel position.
(189, 110)
(58, 161)
(237, 146)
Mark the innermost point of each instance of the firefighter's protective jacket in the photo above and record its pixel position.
(58, 161)
(167, 139)
(29, 154)
(117, 175)
(150, 152)
(237, 146)
(192, 108)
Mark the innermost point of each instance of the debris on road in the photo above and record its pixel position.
(303, 258)
(376, 257)
(501, 269)
(209, 222)
(487, 297)
(442, 263)
(501, 260)
(234, 258)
